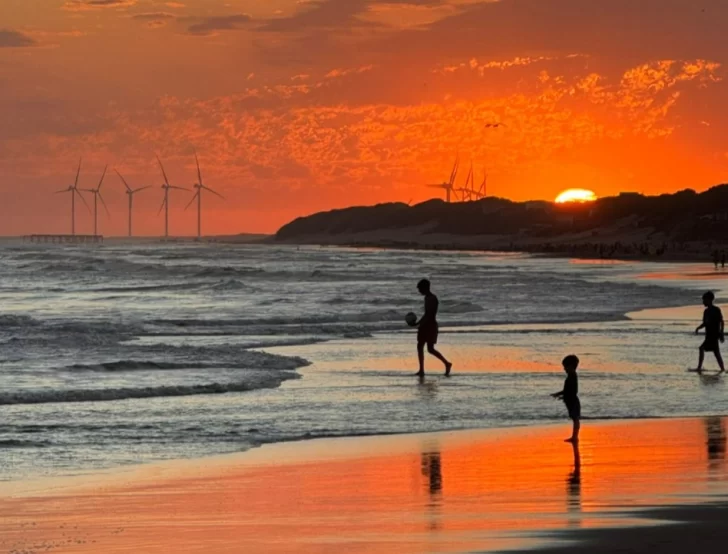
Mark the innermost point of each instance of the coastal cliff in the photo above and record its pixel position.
(683, 224)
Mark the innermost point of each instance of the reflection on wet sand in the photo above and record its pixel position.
(573, 489)
(440, 493)
(431, 469)
(716, 443)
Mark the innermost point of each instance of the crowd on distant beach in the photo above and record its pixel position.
(622, 250)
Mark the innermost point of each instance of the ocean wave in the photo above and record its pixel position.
(13, 443)
(230, 285)
(133, 365)
(266, 381)
(460, 308)
(17, 320)
(223, 271)
(150, 288)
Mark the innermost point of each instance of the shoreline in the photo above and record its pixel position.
(451, 491)
(575, 250)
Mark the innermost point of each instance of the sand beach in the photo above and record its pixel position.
(629, 486)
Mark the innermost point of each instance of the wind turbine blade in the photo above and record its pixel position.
(179, 188)
(78, 172)
(82, 198)
(164, 174)
(61, 191)
(141, 188)
(437, 186)
(455, 168)
(123, 180)
(193, 199)
(199, 173)
(108, 213)
(101, 182)
(162, 207)
(452, 172)
(213, 192)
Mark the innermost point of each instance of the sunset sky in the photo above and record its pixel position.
(295, 106)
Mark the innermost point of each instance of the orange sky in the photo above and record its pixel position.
(300, 105)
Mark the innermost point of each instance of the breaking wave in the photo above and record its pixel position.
(268, 381)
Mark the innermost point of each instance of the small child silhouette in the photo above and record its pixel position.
(570, 395)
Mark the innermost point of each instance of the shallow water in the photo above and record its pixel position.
(121, 354)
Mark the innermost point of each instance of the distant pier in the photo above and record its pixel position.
(64, 239)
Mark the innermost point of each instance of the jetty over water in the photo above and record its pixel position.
(64, 239)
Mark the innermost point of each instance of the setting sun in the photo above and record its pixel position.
(576, 195)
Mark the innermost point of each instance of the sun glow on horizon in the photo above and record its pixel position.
(576, 195)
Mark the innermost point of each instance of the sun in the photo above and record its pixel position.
(576, 195)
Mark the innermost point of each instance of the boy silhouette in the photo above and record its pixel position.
(714, 331)
(427, 329)
(570, 395)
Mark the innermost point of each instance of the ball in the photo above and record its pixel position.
(411, 319)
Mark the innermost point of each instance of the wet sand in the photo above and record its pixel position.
(468, 491)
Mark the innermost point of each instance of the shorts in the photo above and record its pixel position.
(427, 335)
(574, 407)
(710, 344)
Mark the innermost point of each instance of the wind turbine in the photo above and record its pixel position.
(165, 203)
(97, 196)
(466, 193)
(483, 190)
(199, 185)
(73, 189)
(130, 193)
(449, 185)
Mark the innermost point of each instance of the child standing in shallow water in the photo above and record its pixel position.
(570, 395)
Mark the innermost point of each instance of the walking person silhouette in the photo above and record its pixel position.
(427, 329)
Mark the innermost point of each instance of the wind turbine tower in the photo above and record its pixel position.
(165, 203)
(199, 185)
(73, 189)
(449, 186)
(130, 192)
(97, 196)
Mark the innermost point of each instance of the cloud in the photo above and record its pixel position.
(15, 39)
(210, 25)
(321, 14)
(153, 16)
(348, 14)
(519, 61)
(87, 5)
(335, 73)
(154, 19)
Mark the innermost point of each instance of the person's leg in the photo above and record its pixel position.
(701, 358)
(421, 357)
(448, 366)
(719, 359)
(575, 431)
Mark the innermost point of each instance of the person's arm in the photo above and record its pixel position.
(559, 394)
(722, 328)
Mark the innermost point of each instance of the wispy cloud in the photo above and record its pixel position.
(154, 19)
(87, 5)
(335, 73)
(15, 39)
(481, 67)
(211, 25)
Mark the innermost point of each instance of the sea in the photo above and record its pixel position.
(134, 352)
